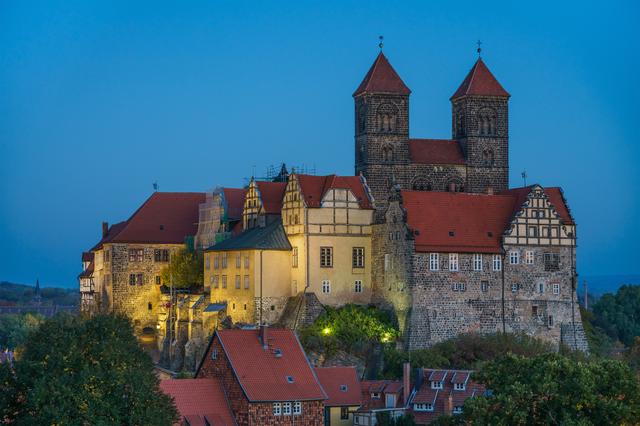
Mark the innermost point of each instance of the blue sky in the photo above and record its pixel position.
(100, 99)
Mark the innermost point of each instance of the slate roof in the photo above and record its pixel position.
(435, 151)
(263, 376)
(480, 82)
(197, 399)
(341, 385)
(382, 78)
(315, 187)
(269, 237)
(271, 194)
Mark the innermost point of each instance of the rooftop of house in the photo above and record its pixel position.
(314, 188)
(271, 194)
(341, 385)
(234, 197)
(269, 237)
(373, 394)
(271, 369)
(199, 401)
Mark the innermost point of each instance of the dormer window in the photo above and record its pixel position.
(289, 379)
(457, 409)
(375, 395)
(214, 354)
(343, 388)
(459, 386)
(423, 407)
(437, 385)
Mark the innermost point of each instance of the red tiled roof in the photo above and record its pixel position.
(379, 386)
(554, 194)
(235, 201)
(87, 256)
(87, 272)
(476, 220)
(111, 234)
(437, 375)
(341, 385)
(197, 398)
(315, 187)
(435, 151)
(381, 77)
(263, 375)
(271, 194)
(480, 82)
(165, 218)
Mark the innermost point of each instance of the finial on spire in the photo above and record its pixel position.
(479, 49)
(381, 44)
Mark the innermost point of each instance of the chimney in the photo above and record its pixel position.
(263, 337)
(489, 190)
(448, 409)
(406, 382)
(105, 229)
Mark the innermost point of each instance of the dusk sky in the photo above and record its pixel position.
(98, 100)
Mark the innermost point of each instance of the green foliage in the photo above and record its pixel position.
(85, 371)
(600, 343)
(619, 314)
(554, 389)
(465, 351)
(185, 268)
(632, 357)
(351, 328)
(14, 329)
(20, 294)
(384, 419)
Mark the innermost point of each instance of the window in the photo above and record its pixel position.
(540, 288)
(550, 321)
(556, 289)
(294, 257)
(423, 407)
(238, 282)
(459, 287)
(246, 261)
(357, 257)
(214, 354)
(277, 409)
(528, 257)
(326, 257)
(434, 261)
(477, 262)
(326, 286)
(149, 306)
(224, 260)
(436, 385)
(136, 255)
(453, 262)
(344, 413)
(297, 408)
(224, 281)
(497, 262)
(158, 280)
(214, 281)
(216, 261)
(514, 288)
(459, 386)
(375, 395)
(551, 261)
(386, 261)
(207, 262)
(136, 279)
(238, 260)
(457, 409)
(534, 311)
(161, 255)
(105, 256)
(514, 257)
(344, 388)
(358, 286)
(286, 409)
(246, 282)
(532, 231)
(484, 286)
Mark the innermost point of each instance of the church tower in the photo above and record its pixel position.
(381, 127)
(480, 124)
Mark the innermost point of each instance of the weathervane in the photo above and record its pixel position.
(479, 49)
(381, 44)
(524, 177)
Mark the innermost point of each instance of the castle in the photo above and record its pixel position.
(427, 227)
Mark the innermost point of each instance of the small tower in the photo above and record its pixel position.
(37, 297)
(381, 126)
(480, 123)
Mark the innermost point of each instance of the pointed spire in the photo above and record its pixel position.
(382, 78)
(480, 82)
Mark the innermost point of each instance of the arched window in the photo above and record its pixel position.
(488, 158)
(387, 153)
(387, 117)
(421, 184)
(459, 123)
(486, 122)
(362, 118)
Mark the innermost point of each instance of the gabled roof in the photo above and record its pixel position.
(262, 375)
(87, 256)
(435, 151)
(315, 187)
(196, 399)
(480, 82)
(554, 194)
(367, 387)
(382, 78)
(165, 218)
(341, 385)
(271, 194)
(457, 222)
(87, 273)
(234, 197)
(270, 237)
(111, 234)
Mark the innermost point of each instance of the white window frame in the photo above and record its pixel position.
(514, 257)
(556, 289)
(277, 409)
(457, 410)
(437, 385)
(326, 257)
(326, 286)
(514, 288)
(497, 262)
(297, 408)
(477, 262)
(434, 261)
(484, 286)
(286, 408)
(454, 265)
(357, 257)
(357, 286)
(529, 257)
(459, 386)
(386, 261)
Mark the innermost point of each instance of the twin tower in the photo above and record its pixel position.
(475, 159)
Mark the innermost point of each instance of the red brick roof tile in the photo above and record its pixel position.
(435, 151)
(369, 387)
(271, 194)
(480, 82)
(341, 385)
(262, 374)
(113, 231)
(197, 398)
(554, 194)
(234, 198)
(315, 187)
(382, 78)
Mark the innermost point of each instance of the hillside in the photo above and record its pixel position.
(19, 294)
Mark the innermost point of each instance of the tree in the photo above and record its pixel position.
(86, 371)
(619, 314)
(14, 329)
(554, 389)
(185, 269)
(384, 419)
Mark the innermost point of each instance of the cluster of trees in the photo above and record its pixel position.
(83, 371)
(14, 329)
(618, 315)
(185, 269)
(20, 294)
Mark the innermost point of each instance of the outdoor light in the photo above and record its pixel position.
(326, 331)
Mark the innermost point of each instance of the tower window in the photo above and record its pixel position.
(387, 116)
(488, 158)
(421, 185)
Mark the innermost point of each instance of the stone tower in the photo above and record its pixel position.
(480, 124)
(381, 127)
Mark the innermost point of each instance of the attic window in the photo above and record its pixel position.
(489, 234)
(289, 379)
(452, 233)
(343, 388)
(278, 353)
